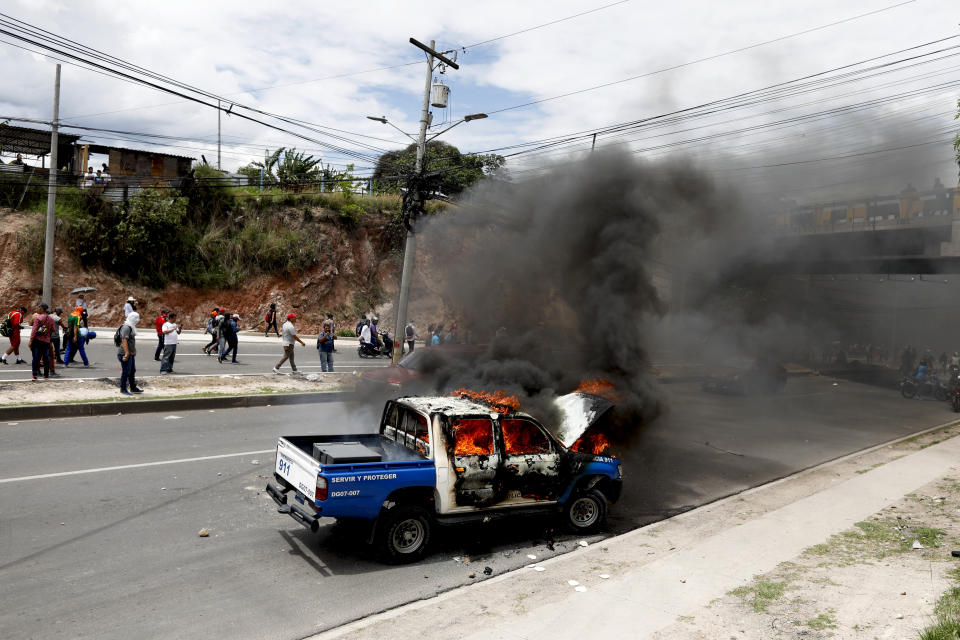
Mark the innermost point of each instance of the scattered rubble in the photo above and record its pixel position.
(203, 533)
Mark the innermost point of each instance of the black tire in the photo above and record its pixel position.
(908, 389)
(955, 403)
(403, 534)
(940, 393)
(585, 512)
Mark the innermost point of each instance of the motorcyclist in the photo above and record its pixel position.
(922, 371)
(365, 334)
(374, 333)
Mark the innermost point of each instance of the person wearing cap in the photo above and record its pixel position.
(40, 332)
(129, 306)
(287, 340)
(127, 355)
(158, 323)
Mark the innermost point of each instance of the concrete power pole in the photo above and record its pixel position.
(47, 295)
(410, 249)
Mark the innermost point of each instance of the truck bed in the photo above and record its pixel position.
(389, 450)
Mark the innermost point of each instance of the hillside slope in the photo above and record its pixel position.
(358, 272)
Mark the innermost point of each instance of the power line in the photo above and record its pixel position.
(545, 24)
(697, 61)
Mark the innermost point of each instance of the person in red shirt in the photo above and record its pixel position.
(40, 334)
(16, 319)
(159, 324)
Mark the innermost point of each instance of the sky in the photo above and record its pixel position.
(324, 63)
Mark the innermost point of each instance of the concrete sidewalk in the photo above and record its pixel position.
(638, 585)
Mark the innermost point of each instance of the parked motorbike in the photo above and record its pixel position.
(931, 386)
(366, 350)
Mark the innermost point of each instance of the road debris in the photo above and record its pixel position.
(531, 556)
(203, 533)
(572, 583)
(604, 576)
(580, 589)
(173, 417)
(583, 543)
(917, 545)
(487, 571)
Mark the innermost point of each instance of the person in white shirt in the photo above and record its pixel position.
(129, 306)
(287, 338)
(171, 335)
(105, 174)
(365, 333)
(88, 178)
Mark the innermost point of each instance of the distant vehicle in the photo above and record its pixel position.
(414, 367)
(443, 460)
(747, 376)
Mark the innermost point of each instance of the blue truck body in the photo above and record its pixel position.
(421, 466)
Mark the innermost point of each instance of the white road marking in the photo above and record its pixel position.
(133, 466)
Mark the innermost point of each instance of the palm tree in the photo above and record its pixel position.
(289, 167)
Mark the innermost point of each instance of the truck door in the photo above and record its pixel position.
(475, 461)
(531, 462)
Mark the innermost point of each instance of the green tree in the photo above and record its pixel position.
(456, 171)
(286, 167)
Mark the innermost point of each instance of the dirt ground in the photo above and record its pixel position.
(90, 390)
(877, 580)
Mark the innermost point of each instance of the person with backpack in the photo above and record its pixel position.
(271, 319)
(360, 325)
(158, 323)
(229, 330)
(77, 339)
(325, 342)
(212, 330)
(11, 329)
(41, 330)
(55, 338)
(222, 319)
(126, 341)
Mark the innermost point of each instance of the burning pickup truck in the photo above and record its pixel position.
(449, 460)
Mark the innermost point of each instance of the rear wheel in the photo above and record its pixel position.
(939, 393)
(403, 534)
(586, 511)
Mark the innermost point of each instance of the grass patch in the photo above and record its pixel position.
(761, 594)
(947, 617)
(870, 468)
(875, 540)
(822, 622)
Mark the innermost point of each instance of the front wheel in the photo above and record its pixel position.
(403, 534)
(939, 393)
(955, 402)
(908, 389)
(586, 511)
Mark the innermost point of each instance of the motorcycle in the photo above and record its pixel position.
(930, 386)
(955, 388)
(367, 350)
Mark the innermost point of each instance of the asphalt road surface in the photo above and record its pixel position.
(99, 516)
(257, 356)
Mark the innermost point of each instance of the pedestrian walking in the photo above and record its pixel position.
(287, 340)
(55, 338)
(129, 306)
(222, 319)
(77, 339)
(212, 330)
(127, 355)
(229, 329)
(11, 329)
(325, 342)
(410, 332)
(41, 330)
(82, 303)
(271, 319)
(170, 332)
(158, 323)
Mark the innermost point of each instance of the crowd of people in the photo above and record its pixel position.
(56, 339)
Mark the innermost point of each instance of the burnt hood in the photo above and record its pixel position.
(578, 412)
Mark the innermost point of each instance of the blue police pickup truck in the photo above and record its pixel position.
(449, 460)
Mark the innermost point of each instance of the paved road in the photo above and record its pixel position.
(257, 355)
(115, 552)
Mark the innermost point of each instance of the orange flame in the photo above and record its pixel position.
(472, 437)
(498, 400)
(521, 437)
(599, 387)
(595, 443)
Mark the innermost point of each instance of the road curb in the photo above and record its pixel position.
(117, 407)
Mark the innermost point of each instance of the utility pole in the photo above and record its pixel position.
(218, 135)
(410, 250)
(594, 145)
(47, 294)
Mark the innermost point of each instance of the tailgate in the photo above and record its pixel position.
(297, 468)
